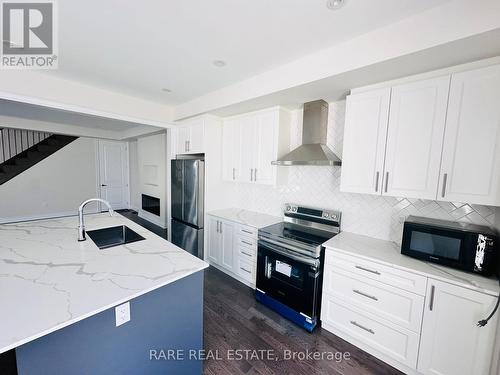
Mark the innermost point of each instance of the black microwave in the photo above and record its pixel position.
(464, 246)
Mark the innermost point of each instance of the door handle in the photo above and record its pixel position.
(354, 323)
(445, 179)
(431, 302)
(367, 270)
(376, 182)
(386, 181)
(104, 185)
(365, 294)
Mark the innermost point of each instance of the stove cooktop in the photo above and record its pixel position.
(299, 233)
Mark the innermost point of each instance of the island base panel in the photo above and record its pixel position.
(168, 318)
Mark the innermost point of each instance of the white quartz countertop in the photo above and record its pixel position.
(389, 254)
(251, 218)
(49, 280)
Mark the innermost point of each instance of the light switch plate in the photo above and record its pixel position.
(122, 313)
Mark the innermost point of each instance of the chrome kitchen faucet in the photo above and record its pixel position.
(81, 226)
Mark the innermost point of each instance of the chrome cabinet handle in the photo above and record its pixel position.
(247, 254)
(386, 181)
(244, 269)
(246, 231)
(234, 174)
(376, 182)
(365, 295)
(220, 227)
(189, 145)
(354, 323)
(217, 226)
(255, 174)
(431, 302)
(368, 270)
(251, 174)
(246, 242)
(185, 146)
(445, 179)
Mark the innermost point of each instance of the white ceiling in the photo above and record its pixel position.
(138, 48)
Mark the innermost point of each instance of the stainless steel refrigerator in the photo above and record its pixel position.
(188, 183)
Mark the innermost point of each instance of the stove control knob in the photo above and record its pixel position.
(288, 208)
(294, 209)
(334, 217)
(326, 215)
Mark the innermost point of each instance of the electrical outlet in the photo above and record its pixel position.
(122, 313)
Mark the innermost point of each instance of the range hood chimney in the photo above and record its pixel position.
(313, 150)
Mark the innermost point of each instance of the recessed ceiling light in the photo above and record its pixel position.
(219, 63)
(166, 90)
(335, 4)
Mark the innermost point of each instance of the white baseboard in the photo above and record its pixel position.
(152, 218)
(53, 215)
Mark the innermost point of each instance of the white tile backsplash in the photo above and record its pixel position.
(375, 216)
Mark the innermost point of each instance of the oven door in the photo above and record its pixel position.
(289, 278)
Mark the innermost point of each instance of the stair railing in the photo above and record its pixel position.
(15, 141)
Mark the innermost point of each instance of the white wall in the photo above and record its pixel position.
(375, 216)
(152, 172)
(135, 194)
(54, 187)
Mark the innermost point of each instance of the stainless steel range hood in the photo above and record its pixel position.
(314, 150)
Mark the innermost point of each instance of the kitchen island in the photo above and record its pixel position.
(58, 299)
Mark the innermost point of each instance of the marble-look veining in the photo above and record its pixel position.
(251, 218)
(389, 254)
(48, 280)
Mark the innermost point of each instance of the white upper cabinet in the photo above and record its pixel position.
(364, 141)
(415, 138)
(451, 342)
(470, 169)
(251, 142)
(190, 136)
(231, 159)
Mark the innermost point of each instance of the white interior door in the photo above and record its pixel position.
(415, 138)
(113, 173)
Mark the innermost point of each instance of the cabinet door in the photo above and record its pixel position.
(246, 148)
(230, 150)
(196, 137)
(364, 141)
(470, 169)
(214, 240)
(267, 128)
(182, 139)
(415, 138)
(451, 343)
(227, 233)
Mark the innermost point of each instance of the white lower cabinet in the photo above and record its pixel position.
(232, 248)
(451, 342)
(428, 329)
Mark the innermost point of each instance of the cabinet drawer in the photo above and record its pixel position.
(245, 270)
(391, 276)
(391, 340)
(246, 253)
(248, 231)
(396, 305)
(246, 242)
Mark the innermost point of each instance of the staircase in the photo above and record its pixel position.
(22, 149)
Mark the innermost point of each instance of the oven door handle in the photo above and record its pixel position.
(302, 259)
(281, 245)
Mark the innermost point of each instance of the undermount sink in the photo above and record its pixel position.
(114, 236)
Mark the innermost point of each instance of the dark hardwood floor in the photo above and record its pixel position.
(234, 320)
